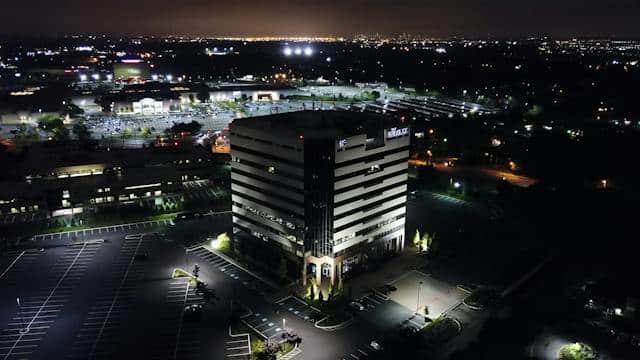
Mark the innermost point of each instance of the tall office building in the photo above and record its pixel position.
(319, 192)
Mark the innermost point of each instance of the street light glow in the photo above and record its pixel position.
(308, 51)
(287, 51)
(298, 51)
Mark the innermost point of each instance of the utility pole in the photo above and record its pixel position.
(418, 302)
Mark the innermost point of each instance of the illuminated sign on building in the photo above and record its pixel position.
(397, 132)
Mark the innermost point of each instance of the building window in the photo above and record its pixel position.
(65, 194)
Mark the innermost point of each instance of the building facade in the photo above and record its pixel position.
(327, 190)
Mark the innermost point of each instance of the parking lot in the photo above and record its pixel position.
(372, 300)
(238, 346)
(264, 326)
(37, 312)
(232, 271)
(105, 298)
(415, 290)
(300, 309)
(80, 234)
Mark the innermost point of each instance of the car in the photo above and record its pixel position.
(375, 345)
(356, 305)
(389, 288)
(185, 216)
(193, 312)
(141, 256)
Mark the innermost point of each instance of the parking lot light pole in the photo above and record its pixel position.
(284, 323)
(418, 302)
(23, 329)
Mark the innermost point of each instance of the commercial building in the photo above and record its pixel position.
(323, 191)
(57, 182)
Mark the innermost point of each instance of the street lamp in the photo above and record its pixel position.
(23, 328)
(284, 324)
(418, 302)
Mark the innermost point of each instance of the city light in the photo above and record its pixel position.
(95, 77)
(308, 51)
(83, 77)
(298, 51)
(287, 51)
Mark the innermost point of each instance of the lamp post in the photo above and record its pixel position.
(418, 302)
(23, 329)
(284, 324)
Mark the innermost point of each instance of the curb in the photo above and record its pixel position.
(342, 325)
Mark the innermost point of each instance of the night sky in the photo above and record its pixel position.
(438, 18)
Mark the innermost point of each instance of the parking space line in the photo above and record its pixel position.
(44, 304)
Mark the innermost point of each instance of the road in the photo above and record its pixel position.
(484, 174)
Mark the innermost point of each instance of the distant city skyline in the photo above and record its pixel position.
(435, 18)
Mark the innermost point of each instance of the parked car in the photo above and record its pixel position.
(141, 256)
(375, 345)
(193, 312)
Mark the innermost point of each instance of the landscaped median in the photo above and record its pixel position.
(268, 349)
(480, 299)
(441, 330)
(180, 273)
(334, 322)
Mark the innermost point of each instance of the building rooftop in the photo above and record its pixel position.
(317, 123)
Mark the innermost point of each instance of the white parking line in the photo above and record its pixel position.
(11, 265)
(51, 294)
(113, 303)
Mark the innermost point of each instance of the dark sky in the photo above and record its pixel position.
(439, 18)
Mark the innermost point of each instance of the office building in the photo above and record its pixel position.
(320, 191)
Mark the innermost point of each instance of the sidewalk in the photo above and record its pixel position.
(389, 271)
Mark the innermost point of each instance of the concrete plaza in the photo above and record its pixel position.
(437, 295)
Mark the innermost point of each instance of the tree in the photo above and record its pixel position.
(61, 133)
(145, 132)
(203, 94)
(21, 132)
(426, 242)
(193, 128)
(49, 122)
(81, 131)
(127, 133)
(416, 239)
